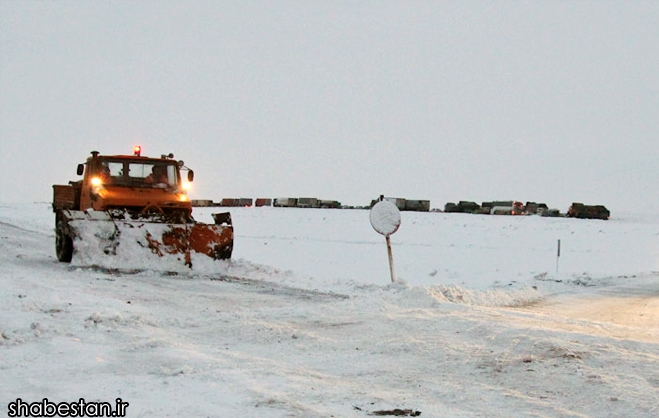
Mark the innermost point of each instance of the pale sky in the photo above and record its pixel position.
(548, 101)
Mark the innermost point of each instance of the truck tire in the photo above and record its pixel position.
(225, 252)
(63, 242)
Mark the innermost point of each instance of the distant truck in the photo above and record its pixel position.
(505, 207)
(329, 204)
(285, 202)
(307, 202)
(413, 205)
(262, 201)
(581, 211)
(536, 208)
(463, 206)
(417, 205)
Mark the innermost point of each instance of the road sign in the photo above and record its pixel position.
(385, 219)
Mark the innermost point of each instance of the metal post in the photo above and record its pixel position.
(558, 254)
(391, 260)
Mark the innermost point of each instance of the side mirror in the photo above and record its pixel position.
(81, 169)
(190, 175)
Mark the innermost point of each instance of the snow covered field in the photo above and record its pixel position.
(484, 320)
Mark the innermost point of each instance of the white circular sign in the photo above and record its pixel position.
(385, 218)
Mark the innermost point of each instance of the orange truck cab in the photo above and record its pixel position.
(135, 183)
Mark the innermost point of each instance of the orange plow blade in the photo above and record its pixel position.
(214, 241)
(99, 240)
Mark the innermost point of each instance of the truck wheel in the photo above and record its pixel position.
(223, 253)
(63, 243)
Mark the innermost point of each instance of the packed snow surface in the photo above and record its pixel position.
(484, 320)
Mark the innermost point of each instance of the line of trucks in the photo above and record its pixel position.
(504, 207)
(312, 202)
(281, 202)
(513, 207)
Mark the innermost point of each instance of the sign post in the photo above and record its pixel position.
(385, 219)
(558, 254)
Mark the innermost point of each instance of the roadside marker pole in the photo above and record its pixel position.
(385, 219)
(558, 254)
(391, 259)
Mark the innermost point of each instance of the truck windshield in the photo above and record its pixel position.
(140, 174)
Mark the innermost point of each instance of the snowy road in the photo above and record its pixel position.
(258, 340)
(619, 311)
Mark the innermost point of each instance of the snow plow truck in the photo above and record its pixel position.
(134, 204)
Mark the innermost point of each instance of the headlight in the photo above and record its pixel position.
(97, 187)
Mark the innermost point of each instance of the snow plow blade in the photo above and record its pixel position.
(104, 240)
